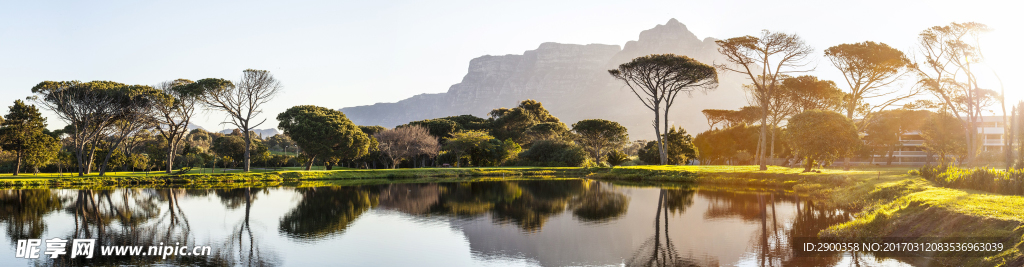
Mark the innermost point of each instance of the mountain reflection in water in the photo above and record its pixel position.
(513, 222)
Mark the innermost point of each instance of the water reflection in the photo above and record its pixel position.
(659, 250)
(534, 222)
(326, 211)
(22, 211)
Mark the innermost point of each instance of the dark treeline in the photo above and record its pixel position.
(525, 135)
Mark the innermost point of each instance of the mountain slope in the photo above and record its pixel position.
(573, 83)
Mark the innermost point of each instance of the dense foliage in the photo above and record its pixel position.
(554, 153)
(323, 133)
(985, 179)
(680, 149)
(599, 136)
(805, 134)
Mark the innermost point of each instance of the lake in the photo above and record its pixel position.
(566, 222)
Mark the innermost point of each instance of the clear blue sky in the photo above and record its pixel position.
(344, 53)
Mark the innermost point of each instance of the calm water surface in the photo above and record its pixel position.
(574, 222)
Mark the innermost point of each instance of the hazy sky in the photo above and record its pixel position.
(345, 53)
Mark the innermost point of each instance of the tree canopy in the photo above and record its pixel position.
(765, 60)
(658, 79)
(406, 143)
(513, 123)
(806, 135)
(323, 132)
(22, 131)
(599, 136)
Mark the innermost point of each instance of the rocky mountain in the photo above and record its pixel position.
(572, 82)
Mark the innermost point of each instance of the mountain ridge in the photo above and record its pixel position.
(572, 82)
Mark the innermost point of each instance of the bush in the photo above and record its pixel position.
(616, 158)
(632, 162)
(554, 153)
(996, 181)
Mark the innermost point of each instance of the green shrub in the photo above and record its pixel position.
(616, 158)
(554, 153)
(985, 179)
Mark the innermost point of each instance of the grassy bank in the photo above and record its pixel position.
(916, 208)
(235, 177)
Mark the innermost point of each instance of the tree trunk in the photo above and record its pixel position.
(849, 115)
(888, 162)
(657, 131)
(771, 156)
(79, 153)
(170, 156)
(763, 139)
(808, 164)
(88, 162)
(248, 147)
(309, 164)
(664, 147)
(17, 165)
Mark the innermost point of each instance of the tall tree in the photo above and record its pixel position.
(945, 71)
(323, 132)
(22, 132)
(765, 60)
(869, 68)
(599, 136)
(135, 113)
(242, 101)
(175, 105)
(657, 79)
(779, 107)
(95, 111)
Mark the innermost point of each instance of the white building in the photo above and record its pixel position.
(913, 153)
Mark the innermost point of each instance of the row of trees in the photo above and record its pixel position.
(872, 73)
(525, 134)
(105, 116)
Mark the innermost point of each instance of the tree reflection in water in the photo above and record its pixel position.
(22, 211)
(773, 241)
(529, 204)
(326, 211)
(151, 216)
(242, 246)
(121, 217)
(659, 250)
